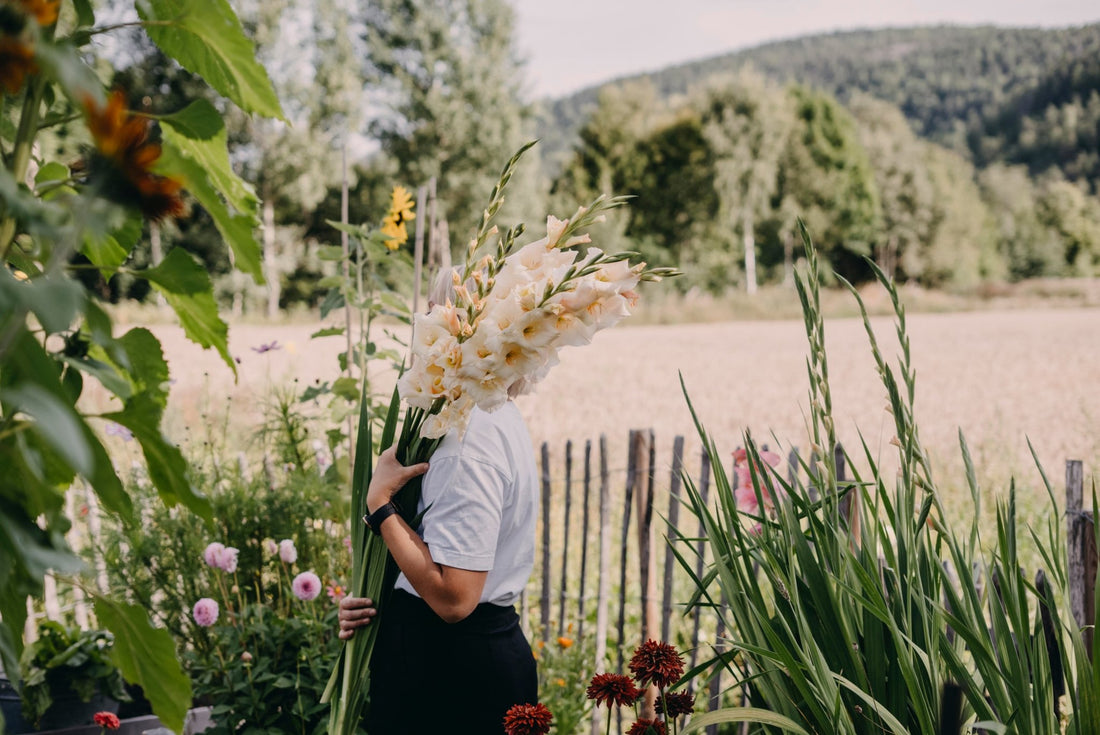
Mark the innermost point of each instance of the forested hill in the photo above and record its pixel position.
(966, 87)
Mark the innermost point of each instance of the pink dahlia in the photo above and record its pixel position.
(205, 612)
(306, 586)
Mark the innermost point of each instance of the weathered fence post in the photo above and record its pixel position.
(604, 585)
(1050, 636)
(1081, 539)
(643, 448)
(565, 536)
(673, 522)
(584, 535)
(544, 598)
(704, 490)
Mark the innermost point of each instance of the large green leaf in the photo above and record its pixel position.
(198, 132)
(188, 160)
(187, 289)
(167, 467)
(54, 300)
(146, 656)
(109, 250)
(198, 121)
(148, 368)
(56, 422)
(742, 714)
(205, 37)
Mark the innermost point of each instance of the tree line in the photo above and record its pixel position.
(949, 155)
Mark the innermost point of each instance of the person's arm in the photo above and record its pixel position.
(451, 593)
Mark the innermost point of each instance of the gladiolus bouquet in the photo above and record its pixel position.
(511, 313)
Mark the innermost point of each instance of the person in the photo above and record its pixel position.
(450, 655)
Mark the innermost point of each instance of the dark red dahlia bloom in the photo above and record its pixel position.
(527, 719)
(657, 663)
(676, 704)
(107, 720)
(612, 689)
(647, 727)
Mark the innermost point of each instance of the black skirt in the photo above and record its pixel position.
(429, 676)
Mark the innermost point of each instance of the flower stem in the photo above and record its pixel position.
(21, 153)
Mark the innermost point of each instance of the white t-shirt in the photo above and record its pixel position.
(482, 496)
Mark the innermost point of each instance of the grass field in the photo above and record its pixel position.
(1000, 376)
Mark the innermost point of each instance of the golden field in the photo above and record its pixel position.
(1000, 376)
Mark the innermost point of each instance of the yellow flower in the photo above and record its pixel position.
(560, 682)
(401, 212)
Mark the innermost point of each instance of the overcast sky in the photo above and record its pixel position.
(572, 44)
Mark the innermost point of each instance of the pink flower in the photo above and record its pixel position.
(212, 554)
(745, 493)
(336, 592)
(306, 586)
(347, 543)
(287, 552)
(205, 612)
(270, 547)
(221, 557)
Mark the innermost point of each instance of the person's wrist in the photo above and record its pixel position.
(380, 515)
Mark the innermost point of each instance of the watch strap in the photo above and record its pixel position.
(374, 520)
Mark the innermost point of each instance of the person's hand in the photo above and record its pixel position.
(355, 612)
(388, 477)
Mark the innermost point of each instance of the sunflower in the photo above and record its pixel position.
(401, 212)
(16, 63)
(122, 166)
(43, 11)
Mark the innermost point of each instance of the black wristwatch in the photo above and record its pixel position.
(374, 520)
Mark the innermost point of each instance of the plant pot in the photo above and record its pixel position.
(72, 712)
(12, 708)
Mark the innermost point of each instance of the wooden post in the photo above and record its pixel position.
(418, 247)
(584, 535)
(704, 489)
(565, 536)
(673, 522)
(1081, 539)
(951, 709)
(792, 466)
(604, 584)
(544, 599)
(715, 699)
(631, 474)
(1050, 636)
(643, 447)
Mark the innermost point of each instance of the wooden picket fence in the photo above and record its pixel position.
(631, 597)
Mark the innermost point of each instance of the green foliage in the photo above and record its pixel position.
(450, 74)
(990, 97)
(160, 567)
(269, 669)
(566, 664)
(65, 663)
(63, 230)
(847, 627)
(147, 654)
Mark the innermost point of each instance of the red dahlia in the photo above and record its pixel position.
(612, 689)
(647, 727)
(527, 719)
(657, 663)
(676, 703)
(108, 720)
